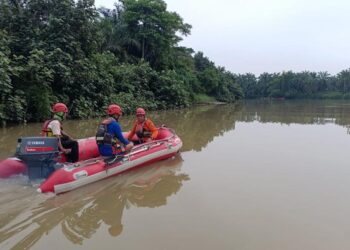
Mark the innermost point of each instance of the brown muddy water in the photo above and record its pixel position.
(260, 175)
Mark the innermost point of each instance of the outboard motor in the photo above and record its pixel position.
(40, 154)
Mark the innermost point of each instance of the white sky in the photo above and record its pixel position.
(267, 35)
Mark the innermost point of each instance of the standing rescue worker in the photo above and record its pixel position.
(143, 127)
(53, 128)
(109, 136)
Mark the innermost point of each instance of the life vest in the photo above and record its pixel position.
(141, 131)
(46, 131)
(102, 135)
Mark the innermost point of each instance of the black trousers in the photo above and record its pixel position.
(73, 156)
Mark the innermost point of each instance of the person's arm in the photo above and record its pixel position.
(152, 128)
(64, 150)
(55, 127)
(118, 133)
(132, 132)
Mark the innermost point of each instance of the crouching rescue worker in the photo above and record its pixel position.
(143, 127)
(53, 128)
(109, 136)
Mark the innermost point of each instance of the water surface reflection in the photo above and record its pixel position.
(271, 176)
(81, 213)
(296, 111)
(196, 127)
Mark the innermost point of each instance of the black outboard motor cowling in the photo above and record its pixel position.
(40, 154)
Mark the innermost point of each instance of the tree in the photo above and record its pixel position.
(67, 51)
(344, 80)
(5, 72)
(155, 28)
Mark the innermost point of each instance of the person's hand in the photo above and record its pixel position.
(67, 150)
(129, 146)
(148, 140)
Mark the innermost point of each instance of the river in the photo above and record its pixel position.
(257, 175)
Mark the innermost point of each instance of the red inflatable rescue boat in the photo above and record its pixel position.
(39, 156)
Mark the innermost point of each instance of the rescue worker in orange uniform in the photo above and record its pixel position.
(53, 128)
(143, 127)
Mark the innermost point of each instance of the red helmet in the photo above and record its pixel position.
(59, 107)
(114, 109)
(140, 111)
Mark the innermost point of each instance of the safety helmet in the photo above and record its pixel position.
(114, 109)
(59, 107)
(140, 111)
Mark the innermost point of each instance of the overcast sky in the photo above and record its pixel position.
(267, 35)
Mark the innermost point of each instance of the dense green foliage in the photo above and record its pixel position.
(68, 51)
(296, 85)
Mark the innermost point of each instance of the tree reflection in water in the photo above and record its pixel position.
(198, 126)
(80, 213)
(296, 111)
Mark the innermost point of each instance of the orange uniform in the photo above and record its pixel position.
(144, 130)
